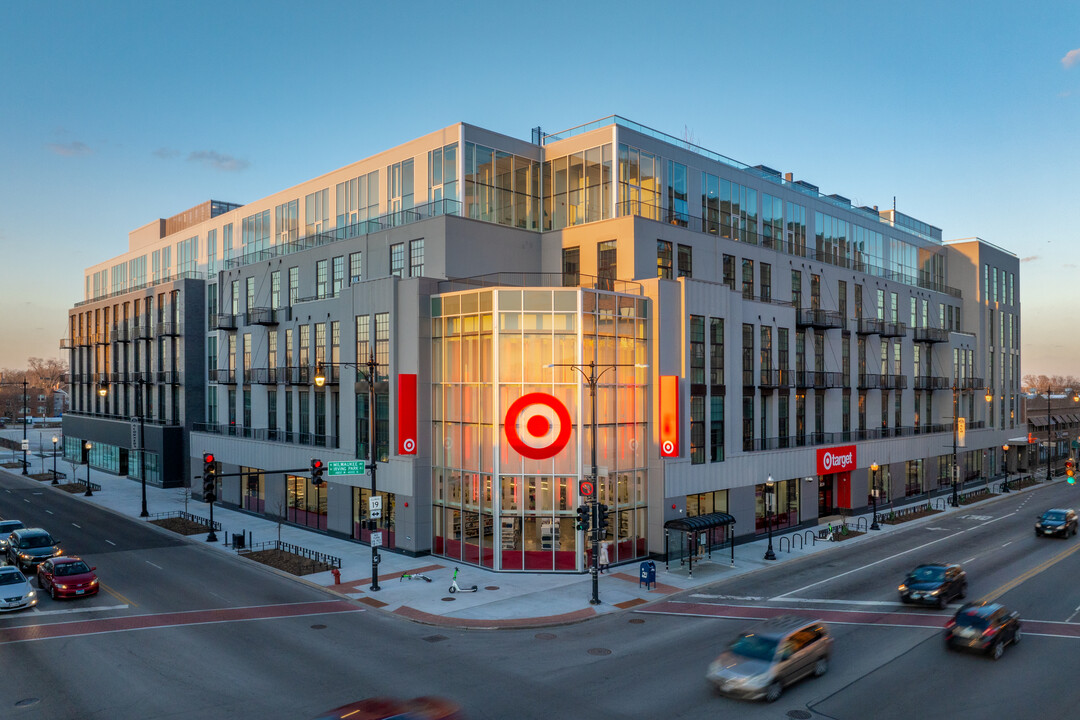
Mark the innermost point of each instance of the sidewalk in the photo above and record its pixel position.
(504, 599)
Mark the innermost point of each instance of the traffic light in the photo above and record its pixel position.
(601, 518)
(317, 468)
(1070, 471)
(209, 477)
(583, 517)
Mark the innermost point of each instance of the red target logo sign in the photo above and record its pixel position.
(537, 425)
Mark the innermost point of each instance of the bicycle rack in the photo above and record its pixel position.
(812, 534)
(782, 539)
(860, 522)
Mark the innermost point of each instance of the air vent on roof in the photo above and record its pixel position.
(841, 199)
(767, 170)
(808, 186)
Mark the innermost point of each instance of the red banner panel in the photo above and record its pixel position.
(837, 459)
(406, 415)
(669, 416)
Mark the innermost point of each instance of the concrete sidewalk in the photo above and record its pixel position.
(503, 600)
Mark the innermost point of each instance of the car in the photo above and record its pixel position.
(768, 656)
(15, 590)
(67, 577)
(387, 708)
(27, 547)
(934, 584)
(1056, 521)
(987, 627)
(6, 528)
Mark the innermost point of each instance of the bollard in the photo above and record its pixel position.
(337, 576)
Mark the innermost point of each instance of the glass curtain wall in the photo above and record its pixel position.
(495, 507)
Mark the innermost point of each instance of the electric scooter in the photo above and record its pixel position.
(454, 587)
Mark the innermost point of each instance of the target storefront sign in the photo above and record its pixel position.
(836, 460)
(537, 425)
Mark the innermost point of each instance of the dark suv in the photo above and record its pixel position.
(934, 584)
(28, 547)
(987, 627)
(1056, 521)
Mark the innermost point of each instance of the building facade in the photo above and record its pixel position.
(713, 337)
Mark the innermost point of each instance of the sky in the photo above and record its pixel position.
(113, 114)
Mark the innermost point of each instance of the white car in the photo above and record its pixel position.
(15, 590)
(6, 528)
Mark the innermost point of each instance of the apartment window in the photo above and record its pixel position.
(729, 271)
(716, 354)
(800, 418)
(841, 299)
(337, 275)
(862, 411)
(894, 307)
(748, 354)
(765, 274)
(748, 423)
(416, 258)
(305, 346)
(317, 211)
(686, 261)
(678, 207)
(211, 357)
(271, 349)
(294, 285)
(697, 429)
(287, 219)
(249, 294)
(819, 413)
(571, 266)
(783, 419)
(335, 341)
(697, 350)
(247, 357)
(357, 200)
(211, 251)
(914, 312)
(858, 301)
(815, 292)
(275, 289)
(606, 264)
(397, 259)
(271, 410)
(748, 278)
(783, 356)
(211, 407)
(796, 288)
(663, 260)
(289, 411)
(442, 173)
(235, 304)
(226, 243)
(255, 232)
(320, 343)
(766, 348)
(211, 303)
(401, 186)
(321, 279)
(845, 412)
(716, 428)
(355, 266)
(845, 357)
(880, 304)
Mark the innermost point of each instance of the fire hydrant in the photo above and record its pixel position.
(337, 576)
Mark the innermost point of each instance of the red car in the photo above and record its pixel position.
(67, 577)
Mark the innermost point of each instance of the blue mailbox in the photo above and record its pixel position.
(647, 574)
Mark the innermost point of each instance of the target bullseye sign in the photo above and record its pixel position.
(537, 425)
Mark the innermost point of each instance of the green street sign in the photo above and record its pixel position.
(349, 467)
(1075, 444)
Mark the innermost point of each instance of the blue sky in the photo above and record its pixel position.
(117, 113)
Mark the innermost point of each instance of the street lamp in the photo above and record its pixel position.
(1005, 465)
(769, 489)
(54, 441)
(371, 376)
(593, 377)
(89, 492)
(873, 495)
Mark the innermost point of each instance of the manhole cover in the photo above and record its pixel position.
(318, 627)
(492, 587)
(545, 636)
(799, 715)
(599, 651)
(434, 638)
(636, 621)
(449, 599)
(27, 702)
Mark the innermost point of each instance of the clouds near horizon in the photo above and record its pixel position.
(218, 161)
(1071, 58)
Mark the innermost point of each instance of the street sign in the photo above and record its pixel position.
(347, 467)
(586, 488)
(136, 440)
(374, 507)
(961, 431)
(376, 539)
(25, 444)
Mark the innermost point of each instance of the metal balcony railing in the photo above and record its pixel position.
(931, 335)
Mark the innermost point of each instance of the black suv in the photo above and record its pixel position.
(934, 584)
(986, 627)
(29, 547)
(1056, 521)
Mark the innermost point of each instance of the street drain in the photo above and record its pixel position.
(799, 715)
(448, 599)
(599, 651)
(636, 621)
(491, 587)
(545, 636)
(434, 638)
(27, 702)
(318, 627)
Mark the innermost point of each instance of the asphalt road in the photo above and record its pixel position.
(185, 632)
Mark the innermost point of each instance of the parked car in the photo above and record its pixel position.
(15, 590)
(27, 547)
(67, 577)
(6, 528)
(986, 627)
(1056, 521)
(934, 584)
(771, 655)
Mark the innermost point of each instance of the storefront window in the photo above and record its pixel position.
(784, 510)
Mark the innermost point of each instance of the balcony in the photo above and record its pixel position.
(122, 333)
(225, 321)
(869, 382)
(224, 376)
(774, 379)
(931, 335)
(893, 382)
(118, 377)
(971, 383)
(170, 328)
(893, 329)
(260, 316)
(263, 376)
(931, 382)
(143, 377)
(870, 326)
(267, 434)
(168, 377)
(809, 379)
(101, 338)
(813, 318)
(298, 375)
(144, 331)
(68, 343)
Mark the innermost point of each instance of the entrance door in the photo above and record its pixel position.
(825, 495)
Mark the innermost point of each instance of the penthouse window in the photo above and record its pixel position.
(663, 260)
(503, 188)
(639, 183)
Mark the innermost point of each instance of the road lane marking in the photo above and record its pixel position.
(117, 595)
(110, 542)
(1027, 575)
(1069, 619)
(49, 511)
(72, 611)
(965, 562)
(157, 566)
(1008, 543)
(26, 501)
(77, 525)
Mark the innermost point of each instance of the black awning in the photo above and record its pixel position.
(700, 522)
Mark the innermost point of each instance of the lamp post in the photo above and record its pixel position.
(89, 492)
(873, 495)
(54, 441)
(592, 377)
(769, 490)
(1005, 464)
(142, 445)
(372, 368)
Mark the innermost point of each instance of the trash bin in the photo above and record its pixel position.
(238, 540)
(647, 574)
